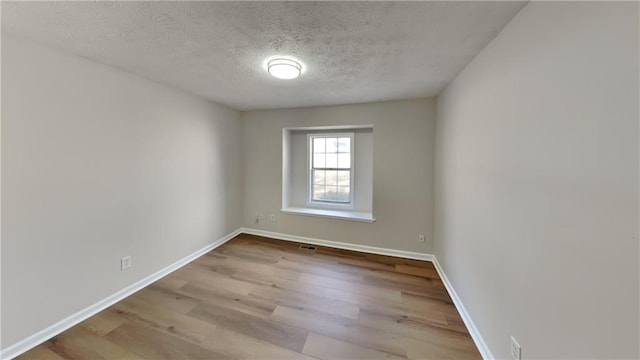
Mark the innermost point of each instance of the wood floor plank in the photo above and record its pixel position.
(340, 253)
(311, 258)
(348, 331)
(412, 329)
(250, 305)
(167, 298)
(433, 293)
(377, 292)
(388, 308)
(244, 253)
(413, 301)
(169, 283)
(298, 286)
(276, 333)
(102, 323)
(40, 353)
(239, 267)
(78, 344)
(404, 279)
(307, 320)
(418, 271)
(240, 346)
(365, 264)
(150, 343)
(157, 317)
(211, 260)
(426, 289)
(435, 350)
(311, 268)
(302, 301)
(211, 279)
(328, 348)
(392, 260)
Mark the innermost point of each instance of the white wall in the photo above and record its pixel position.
(537, 183)
(98, 164)
(402, 172)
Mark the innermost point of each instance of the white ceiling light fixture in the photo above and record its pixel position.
(283, 68)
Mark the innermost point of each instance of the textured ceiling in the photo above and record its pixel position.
(352, 51)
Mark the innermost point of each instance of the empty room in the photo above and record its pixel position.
(320, 180)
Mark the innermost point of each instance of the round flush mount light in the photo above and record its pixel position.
(283, 68)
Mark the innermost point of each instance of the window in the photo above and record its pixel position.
(331, 169)
(327, 171)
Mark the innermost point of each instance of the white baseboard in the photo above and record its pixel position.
(43, 335)
(466, 318)
(340, 245)
(471, 327)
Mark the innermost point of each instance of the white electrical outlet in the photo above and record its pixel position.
(516, 350)
(259, 217)
(421, 238)
(273, 217)
(125, 263)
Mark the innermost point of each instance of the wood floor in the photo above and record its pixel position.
(256, 298)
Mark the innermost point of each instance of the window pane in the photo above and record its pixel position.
(331, 153)
(332, 161)
(332, 145)
(344, 161)
(342, 194)
(344, 178)
(319, 193)
(318, 145)
(332, 193)
(344, 145)
(319, 177)
(332, 177)
(319, 160)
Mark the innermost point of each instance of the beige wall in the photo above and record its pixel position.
(98, 164)
(537, 183)
(402, 172)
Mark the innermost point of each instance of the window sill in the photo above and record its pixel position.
(333, 214)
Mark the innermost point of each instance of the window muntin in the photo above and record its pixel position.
(331, 169)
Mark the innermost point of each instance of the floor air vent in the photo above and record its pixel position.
(308, 247)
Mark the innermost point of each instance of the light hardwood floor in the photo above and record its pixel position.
(256, 298)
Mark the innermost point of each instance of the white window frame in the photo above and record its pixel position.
(330, 204)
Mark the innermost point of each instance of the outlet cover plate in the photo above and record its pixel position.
(125, 263)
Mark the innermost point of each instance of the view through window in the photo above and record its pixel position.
(331, 168)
